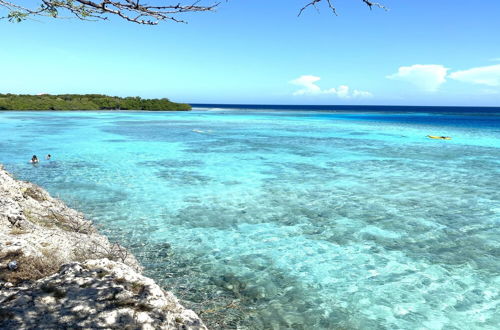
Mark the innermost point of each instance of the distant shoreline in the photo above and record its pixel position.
(92, 110)
(85, 102)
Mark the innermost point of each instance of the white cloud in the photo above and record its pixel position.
(307, 82)
(363, 94)
(428, 77)
(485, 75)
(309, 87)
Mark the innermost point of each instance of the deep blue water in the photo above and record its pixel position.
(277, 219)
(356, 108)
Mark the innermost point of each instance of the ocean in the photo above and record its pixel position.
(289, 217)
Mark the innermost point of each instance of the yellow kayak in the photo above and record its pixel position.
(439, 137)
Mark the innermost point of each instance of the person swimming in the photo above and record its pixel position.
(34, 159)
(48, 157)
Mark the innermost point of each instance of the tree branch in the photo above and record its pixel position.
(133, 11)
(136, 11)
(313, 3)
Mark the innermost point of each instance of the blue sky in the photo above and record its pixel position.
(424, 52)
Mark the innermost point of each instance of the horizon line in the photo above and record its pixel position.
(340, 105)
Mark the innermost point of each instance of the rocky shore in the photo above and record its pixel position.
(57, 271)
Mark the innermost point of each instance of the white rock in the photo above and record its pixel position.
(37, 226)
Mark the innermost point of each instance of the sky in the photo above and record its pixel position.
(425, 52)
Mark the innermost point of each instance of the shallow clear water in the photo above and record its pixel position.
(275, 220)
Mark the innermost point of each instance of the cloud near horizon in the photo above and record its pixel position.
(427, 77)
(485, 75)
(309, 87)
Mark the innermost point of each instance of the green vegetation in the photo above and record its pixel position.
(86, 102)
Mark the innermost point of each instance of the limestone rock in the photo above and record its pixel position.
(57, 271)
(12, 265)
(95, 294)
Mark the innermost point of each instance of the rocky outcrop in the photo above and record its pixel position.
(57, 271)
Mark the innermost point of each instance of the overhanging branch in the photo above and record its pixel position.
(136, 11)
(313, 3)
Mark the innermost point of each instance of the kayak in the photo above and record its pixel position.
(439, 137)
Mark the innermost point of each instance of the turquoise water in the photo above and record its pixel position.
(288, 220)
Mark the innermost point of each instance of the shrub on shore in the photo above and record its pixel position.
(86, 102)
